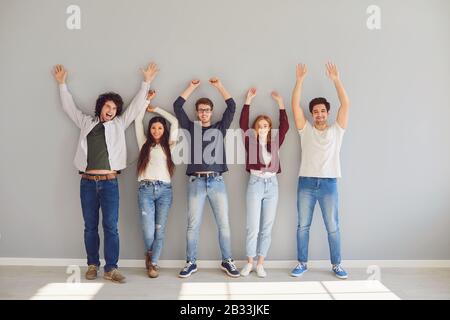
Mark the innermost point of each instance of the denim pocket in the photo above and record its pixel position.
(192, 178)
(252, 180)
(219, 178)
(142, 185)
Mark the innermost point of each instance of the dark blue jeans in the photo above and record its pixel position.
(105, 195)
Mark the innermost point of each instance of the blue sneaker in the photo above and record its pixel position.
(299, 270)
(189, 269)
(229, 267)
(339, 272)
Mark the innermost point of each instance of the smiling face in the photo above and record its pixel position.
(157, 131)
(204, 113)
(320, 114)
(109, 111)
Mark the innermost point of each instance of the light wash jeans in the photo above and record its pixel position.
(262, 200)
(309, 192)
(213, 189)
(155, 200)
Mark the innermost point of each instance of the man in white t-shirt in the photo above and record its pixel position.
(320, 167)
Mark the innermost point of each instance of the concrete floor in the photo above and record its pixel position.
(394, 283)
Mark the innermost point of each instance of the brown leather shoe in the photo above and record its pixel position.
(148, 259)
(91, 273)
(115, 276)
(153, 271)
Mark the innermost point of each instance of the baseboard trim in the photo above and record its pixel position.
(281, 264)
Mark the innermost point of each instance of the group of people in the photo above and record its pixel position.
(101, 155)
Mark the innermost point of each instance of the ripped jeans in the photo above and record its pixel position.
(155, 200)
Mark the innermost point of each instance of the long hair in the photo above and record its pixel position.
(144, 155)
(269, 134)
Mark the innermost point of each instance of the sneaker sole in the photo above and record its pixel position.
(298, 275)
(340, 277)
(188, 275)
(261, 275)
(115, 281)
(230, 274)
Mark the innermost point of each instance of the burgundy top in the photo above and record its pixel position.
(253, 157)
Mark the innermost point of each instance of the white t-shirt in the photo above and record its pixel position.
(320, 151)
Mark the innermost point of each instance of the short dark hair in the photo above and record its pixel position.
(108, 96)
(204, 101)
(319, 100)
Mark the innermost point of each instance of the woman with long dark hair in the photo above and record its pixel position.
(155, 169)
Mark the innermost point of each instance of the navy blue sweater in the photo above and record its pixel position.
(212, 137)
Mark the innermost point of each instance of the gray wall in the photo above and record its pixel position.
(394, 192)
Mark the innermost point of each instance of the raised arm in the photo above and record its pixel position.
(75, 114)
(141, 137)
(138, 103)
(297, 110)
(284, 123)
(245, 113)
(342, 116)
(181, 115)
(227, 116)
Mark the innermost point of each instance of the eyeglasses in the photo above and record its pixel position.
(204, 110)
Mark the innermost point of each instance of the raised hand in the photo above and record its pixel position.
(151, 108)
(276, 96)
(150, 72)
(301, 71)
(215, 82)
(194, 83)
(332, 71)
(250, 95)
(151, 94)
(60, 73)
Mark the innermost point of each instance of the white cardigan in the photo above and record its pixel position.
(114, 129)
(157, 166)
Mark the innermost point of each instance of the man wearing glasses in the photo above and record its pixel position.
(205, 168)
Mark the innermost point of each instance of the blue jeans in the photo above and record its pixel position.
(94, 195)
(262, 200)
(323, 190)
(155, 199)
(213, 188)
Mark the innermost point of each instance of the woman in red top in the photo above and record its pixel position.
(262, 144)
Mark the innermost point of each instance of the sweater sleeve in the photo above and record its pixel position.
(139, 128)
(284, 126)
(228, 114)
(181, 115)
(243, 120)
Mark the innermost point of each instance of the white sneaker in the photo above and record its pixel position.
(247, 269)
(260, 271)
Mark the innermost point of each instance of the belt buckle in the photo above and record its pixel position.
(96, 178)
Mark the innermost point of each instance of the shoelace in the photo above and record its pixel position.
(338, 268)
(231, 264)
(188, 265)
(300, 266)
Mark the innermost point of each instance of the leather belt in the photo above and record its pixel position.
(97, 177)
(208, 174)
